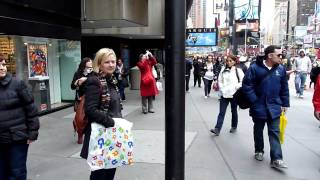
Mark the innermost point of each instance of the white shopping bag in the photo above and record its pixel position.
(110, 147)
(159, 86)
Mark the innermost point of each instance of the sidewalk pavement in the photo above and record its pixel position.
(55, 156)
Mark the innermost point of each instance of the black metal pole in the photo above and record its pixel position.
(231, 24)
(288, 17)
(175, 32)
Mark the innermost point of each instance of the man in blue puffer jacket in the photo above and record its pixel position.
(266, 87)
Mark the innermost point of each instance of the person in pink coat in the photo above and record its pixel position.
(148, 88)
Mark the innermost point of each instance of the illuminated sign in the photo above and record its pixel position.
(252, 26)
(246, 9)
(201, 37)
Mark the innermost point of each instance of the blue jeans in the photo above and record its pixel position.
(223, 107)
(13, 158)
(273, 132)
(299, 81)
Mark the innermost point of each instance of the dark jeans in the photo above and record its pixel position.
(273, 132)
(13, 158)
(224, 102)
(207, 86)
(187, 82)
(103, 174)
(197, 78)
(121, 91)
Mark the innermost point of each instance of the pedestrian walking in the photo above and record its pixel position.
(122, 77)
(315, 70)
(208, 75)
(316, 97)
(102, 102)
(19, 124)
(302, 68)
(285, 61)
(242, 63)
(148, 88)
(197, 65)
(266, 87)
(188, 72)
(78, 83)
(230, 79)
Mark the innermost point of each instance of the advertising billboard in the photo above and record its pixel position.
(252, 26)
(37, 61)
(201, 37)
(246, 9)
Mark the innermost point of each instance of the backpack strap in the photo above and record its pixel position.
(265, 76)
(237, 74)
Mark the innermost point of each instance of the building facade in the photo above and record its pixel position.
(197, 14)
(43, 50)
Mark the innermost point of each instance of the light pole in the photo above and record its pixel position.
(245, 38)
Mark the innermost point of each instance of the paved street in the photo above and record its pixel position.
(226, 157)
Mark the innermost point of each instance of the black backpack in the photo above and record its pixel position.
(241, 98)
(315, 71)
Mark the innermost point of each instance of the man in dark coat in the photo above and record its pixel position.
(197, 66)
(266, 86)
(19, 125)
(188, 72)
(286, 63)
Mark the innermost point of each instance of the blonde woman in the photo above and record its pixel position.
(102, 102)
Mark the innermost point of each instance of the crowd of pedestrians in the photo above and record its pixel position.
(101, 84)
(264, 81)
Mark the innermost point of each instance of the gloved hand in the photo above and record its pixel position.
(148, 53)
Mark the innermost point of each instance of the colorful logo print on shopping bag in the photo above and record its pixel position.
(110, 147)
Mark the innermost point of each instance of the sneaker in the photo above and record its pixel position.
(258, 156)
(278, 164)
(233, 130)
(215, 131)
(205, 97)
(297, 95)
(301, 96)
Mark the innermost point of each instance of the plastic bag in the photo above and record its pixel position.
(283, 124)
(159, 86)
(110, 147)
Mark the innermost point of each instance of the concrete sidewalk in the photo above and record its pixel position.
(226, 157)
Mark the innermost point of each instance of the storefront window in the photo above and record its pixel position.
(70, 57)
(46, 65)
(7, 49)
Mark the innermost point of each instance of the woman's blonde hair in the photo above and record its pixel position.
(104, 52)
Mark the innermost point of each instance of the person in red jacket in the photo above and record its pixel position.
(148, 88)
(316, 99)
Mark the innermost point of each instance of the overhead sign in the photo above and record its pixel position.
(201, 37)
(252, 26)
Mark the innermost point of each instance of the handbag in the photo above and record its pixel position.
(159, 86)
(215, 86)
(125, 82)
(110, 147)
(80, 121)
(282, 127)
